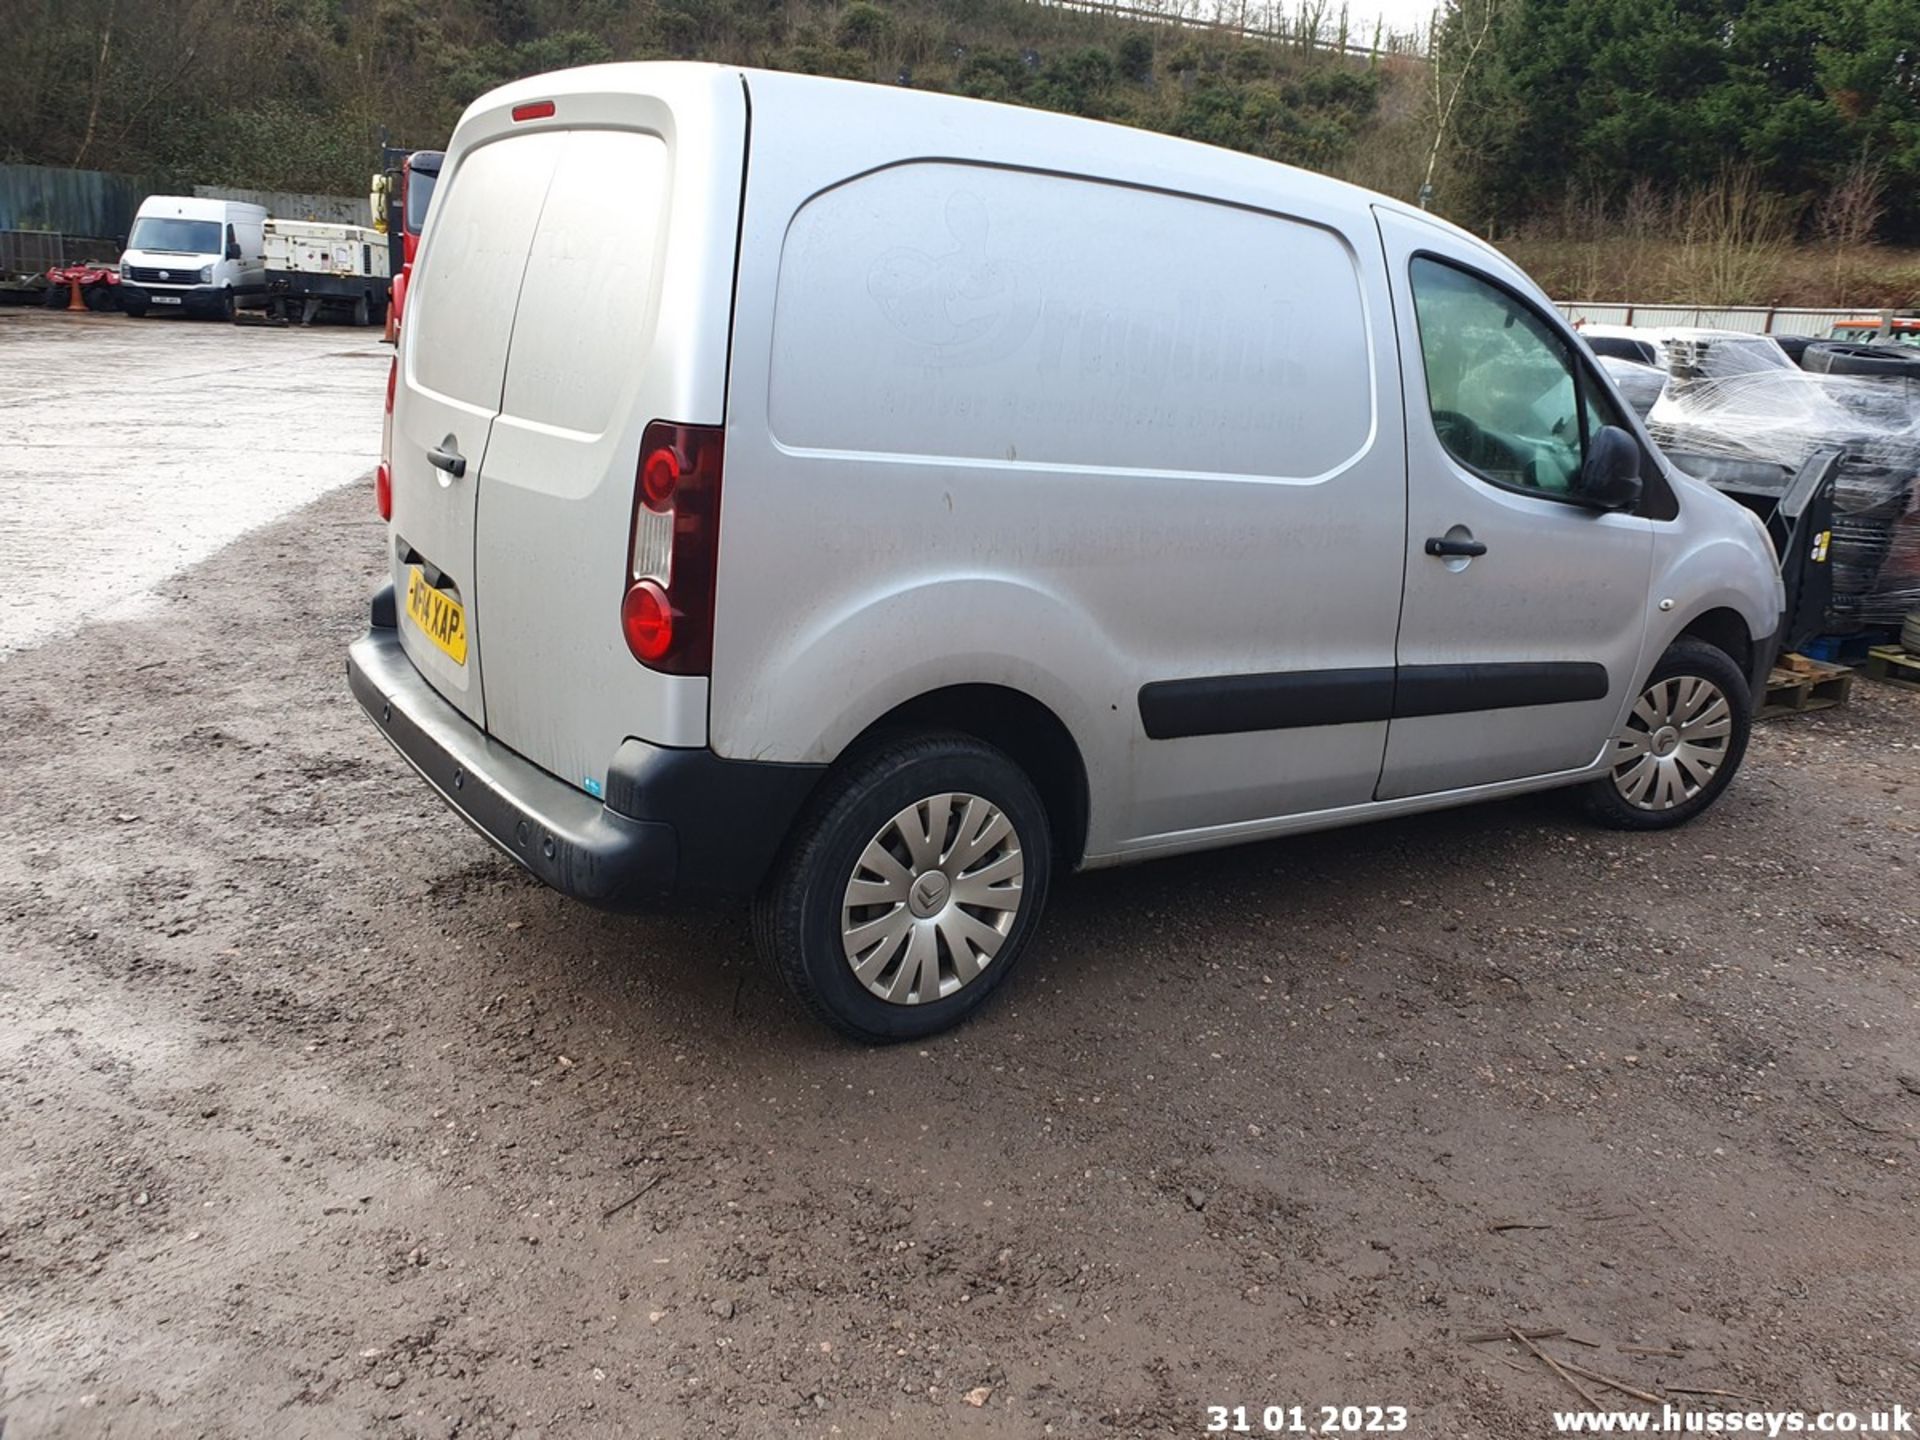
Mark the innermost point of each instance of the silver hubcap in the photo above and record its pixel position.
(1675, 741)
(932, 899)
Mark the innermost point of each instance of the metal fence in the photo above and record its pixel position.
(53, 216)
(1750, 319)
(1302, 27)
(291, 205)
(50, 200)
(34, 252)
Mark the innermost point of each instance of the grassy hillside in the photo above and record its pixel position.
(1723, 240)
(293, 94)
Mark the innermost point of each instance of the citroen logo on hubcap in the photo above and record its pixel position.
(929, 894)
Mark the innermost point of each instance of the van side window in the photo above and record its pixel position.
(1501, 383)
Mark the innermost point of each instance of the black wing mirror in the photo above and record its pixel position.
(233, 250)
(1610, 478)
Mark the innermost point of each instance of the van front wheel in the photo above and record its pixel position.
(1682, 742)
(909, 888)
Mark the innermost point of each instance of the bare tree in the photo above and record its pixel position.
(1846, 219)
(1455, 48)
(99, 84)
(1852, 209)
(1734, 235)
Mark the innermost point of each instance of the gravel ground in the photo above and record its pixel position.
(323, 1120)
(130, 448)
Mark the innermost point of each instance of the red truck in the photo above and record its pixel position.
(402, 190)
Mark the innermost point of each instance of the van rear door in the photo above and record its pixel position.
(454, 345)
(624, 316)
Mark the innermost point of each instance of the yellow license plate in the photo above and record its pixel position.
(441, 618)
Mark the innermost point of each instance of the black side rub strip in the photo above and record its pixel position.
(1234, 704)
(1457, 689)
(1297, 699)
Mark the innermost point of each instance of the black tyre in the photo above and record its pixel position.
(362, 310)
(1886, 362)
(1681, 745)
(225, 310)
(1795, 345)
(908, 889)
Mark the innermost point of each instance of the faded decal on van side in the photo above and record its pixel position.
(981, 313)
(965, 306)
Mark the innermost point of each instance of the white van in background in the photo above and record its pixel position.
(927, 497)
(191, 254)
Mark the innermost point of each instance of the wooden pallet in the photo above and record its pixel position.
(1846, 649)
(1798, 684)
(1895, 666)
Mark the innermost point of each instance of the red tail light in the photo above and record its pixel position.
(666, 610)
(383, 473)
(534, 110)
(647, 618)
(659, 476)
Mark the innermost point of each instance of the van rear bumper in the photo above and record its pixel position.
(674, 820)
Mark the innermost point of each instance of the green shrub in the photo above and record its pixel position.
(862, 26)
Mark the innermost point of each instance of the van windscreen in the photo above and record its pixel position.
(420, 185)
(175, 236)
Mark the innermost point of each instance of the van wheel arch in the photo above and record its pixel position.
(1726, 631)
(1023, 728)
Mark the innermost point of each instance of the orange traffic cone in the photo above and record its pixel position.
(75, 301)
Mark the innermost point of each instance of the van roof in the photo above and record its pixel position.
(197, 207)
(1069, 144)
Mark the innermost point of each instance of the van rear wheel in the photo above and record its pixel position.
(909, 888)
(1681, 745)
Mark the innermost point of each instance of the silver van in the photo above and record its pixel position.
(876, 503)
